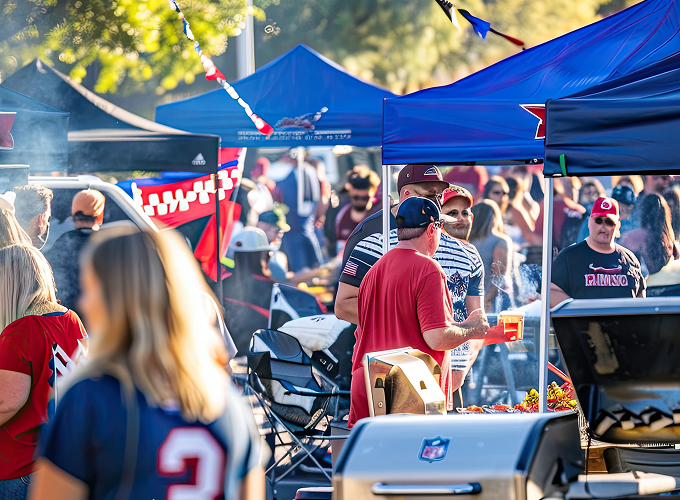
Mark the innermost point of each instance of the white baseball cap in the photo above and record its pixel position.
(7, 201)
(250, 239)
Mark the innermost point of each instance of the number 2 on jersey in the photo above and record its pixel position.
(184, 443)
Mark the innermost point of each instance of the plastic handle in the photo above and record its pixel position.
(426, 489)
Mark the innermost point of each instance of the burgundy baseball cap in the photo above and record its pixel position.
(606, 207)
(454, 191)
(412, 174)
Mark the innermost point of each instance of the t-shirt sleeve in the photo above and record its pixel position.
(433, 302)
(476, 283)
(244, 443)
(64, 439)
(78, 329)
(11, 357)
(364, 256)
(636, 270)
(560, 272)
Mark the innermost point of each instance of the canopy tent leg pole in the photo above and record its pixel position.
(545, 294)
(217, 234)
(300, 179)
(386, 189)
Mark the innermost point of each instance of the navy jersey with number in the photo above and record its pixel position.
(175, 459)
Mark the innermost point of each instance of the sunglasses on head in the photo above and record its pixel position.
(606, 220)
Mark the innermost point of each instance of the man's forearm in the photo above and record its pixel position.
(450, 337)
(557, 295)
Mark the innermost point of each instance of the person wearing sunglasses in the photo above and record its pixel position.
(361, 186)
(465, 272)
(597, 267)
(404, 301)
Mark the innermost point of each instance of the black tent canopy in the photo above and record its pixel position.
(625, 126)
(103, 137)
(38, 132)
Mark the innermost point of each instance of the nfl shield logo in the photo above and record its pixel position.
(434, 450)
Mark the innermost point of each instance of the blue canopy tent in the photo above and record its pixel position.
(629, 125)
(38, 134)
(308, 99)
(497, 113)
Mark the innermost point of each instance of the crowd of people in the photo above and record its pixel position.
(452, 261)
(508, 221)
(141, 407)
(467, 244)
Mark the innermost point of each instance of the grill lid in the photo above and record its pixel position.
(623, 356)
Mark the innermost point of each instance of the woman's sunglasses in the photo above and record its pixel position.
(605, 220)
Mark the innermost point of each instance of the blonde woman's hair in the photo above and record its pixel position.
(26, 282)
(11, 232)
(156, 330)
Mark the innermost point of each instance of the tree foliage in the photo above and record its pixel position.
(137, 44)
(409, 45)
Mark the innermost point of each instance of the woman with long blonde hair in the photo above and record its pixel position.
(34, 326)
(154, 406)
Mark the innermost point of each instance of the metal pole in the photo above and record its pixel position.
(545, 295)
(245, 54)
(300, 180)
(386, 189)
(217, 232)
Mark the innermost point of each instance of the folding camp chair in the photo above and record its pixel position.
(296, 403)
(288, 302)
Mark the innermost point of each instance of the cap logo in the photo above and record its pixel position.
(606, 204)
(431, 171)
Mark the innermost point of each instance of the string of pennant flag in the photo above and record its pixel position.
(480, 26)
(212, 73)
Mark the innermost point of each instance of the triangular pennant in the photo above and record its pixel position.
(480, 26)
(450, 11)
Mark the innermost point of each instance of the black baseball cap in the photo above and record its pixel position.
(417, 212)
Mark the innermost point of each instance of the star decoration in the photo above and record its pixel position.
(538, 110)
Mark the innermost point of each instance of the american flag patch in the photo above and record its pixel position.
(351, 268)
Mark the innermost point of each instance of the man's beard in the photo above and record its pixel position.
(458, 232)
(360, 208)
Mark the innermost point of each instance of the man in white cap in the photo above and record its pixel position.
(248, 289)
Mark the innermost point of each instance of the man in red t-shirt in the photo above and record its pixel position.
(404, 301)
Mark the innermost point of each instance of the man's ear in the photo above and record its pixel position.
(431, 230)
